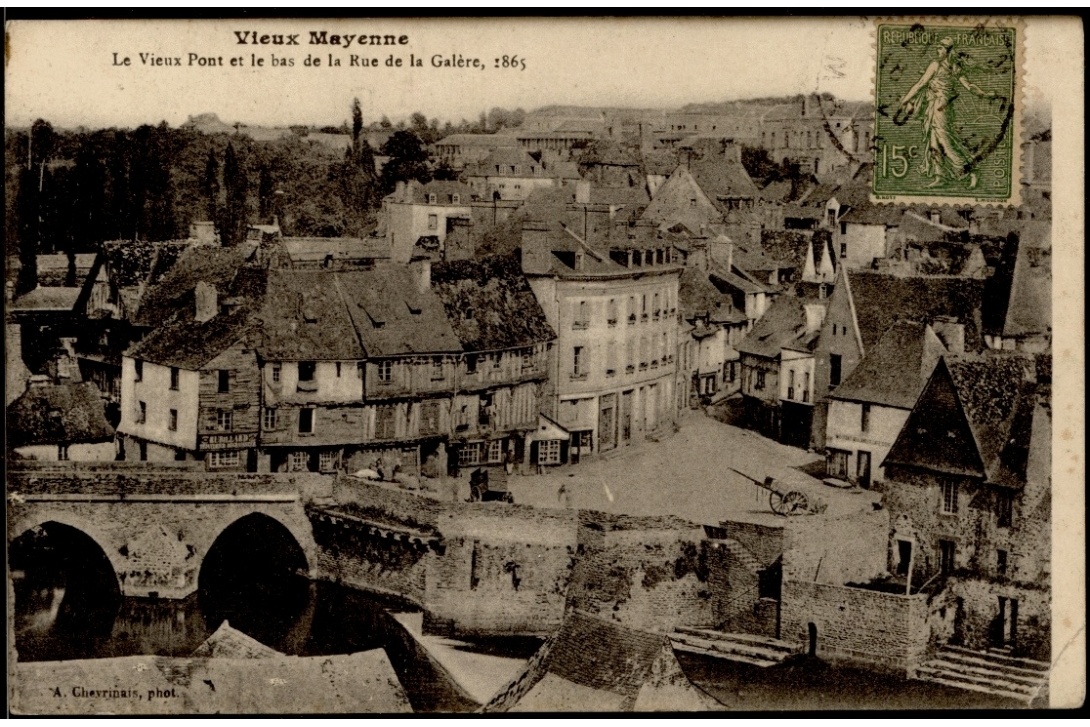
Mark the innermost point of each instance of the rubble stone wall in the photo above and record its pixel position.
(884, 630)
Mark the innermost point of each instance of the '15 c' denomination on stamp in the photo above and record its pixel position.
(947, 112)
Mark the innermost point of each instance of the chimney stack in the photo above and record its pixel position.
(207, 302)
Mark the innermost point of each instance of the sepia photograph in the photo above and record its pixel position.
(544, 365)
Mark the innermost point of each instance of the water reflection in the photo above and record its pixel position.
(67, 607)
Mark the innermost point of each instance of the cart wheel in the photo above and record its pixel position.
(794, 502)
(775, 501)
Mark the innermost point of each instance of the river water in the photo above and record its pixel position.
(69, 608)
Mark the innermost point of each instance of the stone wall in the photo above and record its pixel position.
(133, 479)
(840, 549)
(734, 576)
(977, 621)
(647, 573)
(500, 568)
(883, 630)
(764, 542)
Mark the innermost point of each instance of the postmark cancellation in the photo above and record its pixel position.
(947, 112)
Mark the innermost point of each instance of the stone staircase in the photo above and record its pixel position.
(993, 671)
(762, 651)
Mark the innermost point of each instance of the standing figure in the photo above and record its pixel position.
(933, 95)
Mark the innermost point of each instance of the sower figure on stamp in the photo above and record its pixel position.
(934, 95)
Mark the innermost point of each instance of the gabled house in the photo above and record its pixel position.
(507, 173)
(968, 489)
(460, 150)
(326, 369)
(863, 305)
(777, 369)
(108, 302)
(1027, 324)
(190, 389)
(868, 410)
(416, 211)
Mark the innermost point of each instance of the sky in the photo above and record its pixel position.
(67, 72)
(73, 72)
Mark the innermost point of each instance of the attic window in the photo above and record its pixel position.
(376, 323)
(469, 314)
(432, 199)
(414, 309)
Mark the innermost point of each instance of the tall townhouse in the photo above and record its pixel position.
(614, 308)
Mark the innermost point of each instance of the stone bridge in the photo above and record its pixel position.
(156, 528)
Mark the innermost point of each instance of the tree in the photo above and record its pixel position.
(408, 159)
(27, 205)
(210, 185)
(357, 122)
(266, 194)
(234, 220)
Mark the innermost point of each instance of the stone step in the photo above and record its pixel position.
(1015, 662)
(1024, 699)
(767, 642)
(987, 680)
(731, 647)
(960, 666)
(694, 649)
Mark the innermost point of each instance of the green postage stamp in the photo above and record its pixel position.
(947, 112)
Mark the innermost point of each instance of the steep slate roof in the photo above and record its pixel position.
(392, 316)
(58, 414)
(555, 255)
(444, 191)
(188, 344)
(505, 313)
(227, 642)
(174, 291)
(696, 293)
(789, 246)
(48, 298)
(723, 178)
(782, 325)
(505, 157)
(595, 665)
(880, 300)
(304, 317)
(895, 370)
(1029, 310)
(971, 419)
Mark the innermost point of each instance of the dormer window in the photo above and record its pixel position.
(432, 198)
(456, 198)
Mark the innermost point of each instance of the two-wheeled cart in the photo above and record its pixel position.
(782, 499)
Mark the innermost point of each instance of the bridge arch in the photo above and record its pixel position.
(36, 519)
(297, 531)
